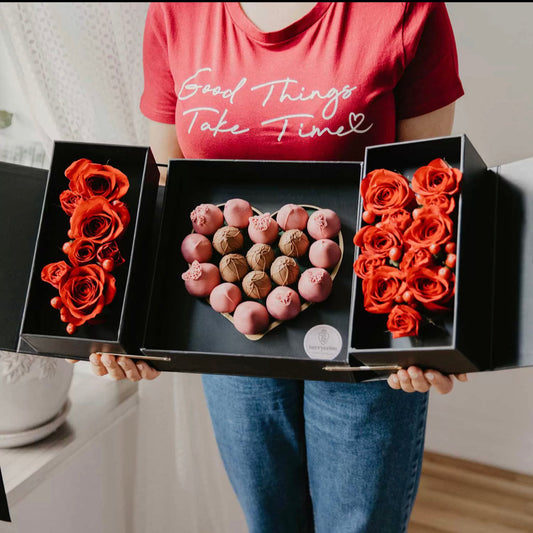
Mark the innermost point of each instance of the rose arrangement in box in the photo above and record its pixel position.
(407, 245)
(98, 218)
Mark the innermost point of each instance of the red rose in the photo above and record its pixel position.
(403, 321)
(84, 292)
(401, 219)
(378, 241)
(98, 220)
(431, 226)
(436, 178)
(379, 289)
(81, 252)
(416, 257)
(90, 179)
(53, 273)
(110, 250)
(366, 263)
(384, 191)
(444, 203)
(69, 201)
(430, 289)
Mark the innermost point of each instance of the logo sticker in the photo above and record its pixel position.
(323, 342)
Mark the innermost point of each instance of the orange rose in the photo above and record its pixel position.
(436, 178)
(431, 226)
(431, 290)
(81, 251)
(110, 250)
(378, 240)
(69, 201)
(444, 203)
(401, 218)
(366, 263)
(98, 220)
(53, 273)
(90, 179)
(384, 191)
(380, 289)
(84, 292)
(416, 257)
(403, 321)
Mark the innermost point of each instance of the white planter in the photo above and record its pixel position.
(33, 394)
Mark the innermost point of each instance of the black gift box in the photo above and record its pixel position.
(187, 331)
(121, 329)
(154, 318)
(462, 342)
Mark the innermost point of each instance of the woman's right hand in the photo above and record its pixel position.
(120, 367)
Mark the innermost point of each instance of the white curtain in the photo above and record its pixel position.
(80, 67)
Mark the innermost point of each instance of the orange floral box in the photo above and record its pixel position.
(92, 251)
(439, 312)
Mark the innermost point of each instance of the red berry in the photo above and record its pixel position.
(450, 248)
(395, 253)
(63, 315)
(419, 199)
(451, 259)
(56, 302)
(434, 249)
(369, 217)
(66, 246)
(398, 298)
(108, 264)
(416, 212)
(408, 297)
(444, 272)
(70, 234)
(71, 328)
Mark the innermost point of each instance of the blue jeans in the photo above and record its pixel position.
(306, 456)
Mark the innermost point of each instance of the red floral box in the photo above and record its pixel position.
(458, 340)
(116, 275)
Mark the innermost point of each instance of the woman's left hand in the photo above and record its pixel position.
(415, 379)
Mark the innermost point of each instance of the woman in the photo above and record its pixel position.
(311, 82)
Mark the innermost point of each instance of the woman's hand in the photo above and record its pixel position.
(120, 367)
(414, 379)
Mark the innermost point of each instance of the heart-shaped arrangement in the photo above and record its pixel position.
(259, 269)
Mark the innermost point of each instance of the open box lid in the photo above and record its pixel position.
(21, 196)
(513, 291)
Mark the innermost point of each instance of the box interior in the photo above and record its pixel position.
(42, 326)
(180, 323)
(369, 332)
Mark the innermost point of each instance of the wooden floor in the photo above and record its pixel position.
(457, 496)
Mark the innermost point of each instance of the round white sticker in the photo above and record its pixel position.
(323, 342)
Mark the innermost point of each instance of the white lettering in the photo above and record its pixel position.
(206, 126)
(332, 96)
(355, 126)
(189, 89)
(285, 120)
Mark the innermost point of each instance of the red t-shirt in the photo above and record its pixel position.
(323, 88)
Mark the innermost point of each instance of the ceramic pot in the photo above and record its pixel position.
(33, 390)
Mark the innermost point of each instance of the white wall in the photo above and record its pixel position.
(495, 48)
(490, 419)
